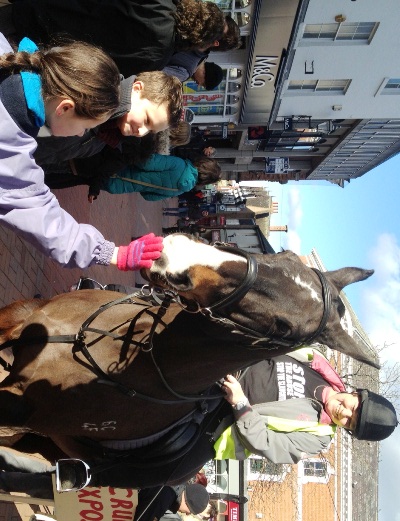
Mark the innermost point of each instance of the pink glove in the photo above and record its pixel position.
(140, 253)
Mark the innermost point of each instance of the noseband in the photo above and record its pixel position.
(246, 284)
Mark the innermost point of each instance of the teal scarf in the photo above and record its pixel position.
(32, 85)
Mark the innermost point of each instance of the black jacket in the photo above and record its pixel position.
(138, 34)
(153, 503)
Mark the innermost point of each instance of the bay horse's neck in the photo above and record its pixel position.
(194, 352)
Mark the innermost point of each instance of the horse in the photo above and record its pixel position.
(90, 365)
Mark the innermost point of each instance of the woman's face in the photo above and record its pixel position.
(343, 409)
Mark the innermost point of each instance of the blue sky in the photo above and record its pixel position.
(357, 225)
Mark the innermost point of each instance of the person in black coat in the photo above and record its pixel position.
(154, 502)
(140, 35)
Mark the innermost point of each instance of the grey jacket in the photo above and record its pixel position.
(280, 447)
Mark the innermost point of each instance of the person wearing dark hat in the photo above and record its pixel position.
(287, 409)
(183, 64)
(208, 75)
(192, 64)
(154, 502)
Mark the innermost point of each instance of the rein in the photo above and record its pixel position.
(261, 341)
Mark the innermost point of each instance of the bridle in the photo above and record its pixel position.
(260, 341)
(247, 283)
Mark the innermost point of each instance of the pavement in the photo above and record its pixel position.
(25, 272)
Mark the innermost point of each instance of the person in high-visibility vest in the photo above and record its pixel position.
(287, 409)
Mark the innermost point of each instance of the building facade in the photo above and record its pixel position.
(313, 93)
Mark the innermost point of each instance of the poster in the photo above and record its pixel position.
(96, 504)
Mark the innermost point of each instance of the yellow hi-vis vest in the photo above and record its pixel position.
(225, 445)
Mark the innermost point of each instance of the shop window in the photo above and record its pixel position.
(222, 4)
(241, 18)
(231, 110)
(234, 86)
(232, 100)
(240, 4)
(229, 4)
(235, 73)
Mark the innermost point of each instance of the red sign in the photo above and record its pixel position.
(233, 511)
(228, 510)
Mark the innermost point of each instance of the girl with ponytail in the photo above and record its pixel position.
(68, 88)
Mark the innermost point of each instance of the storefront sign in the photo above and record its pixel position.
(276, 165)
(202, 98)
(254, 133)
(262, 70)
(287, 123)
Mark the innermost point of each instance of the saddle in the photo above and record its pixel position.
(172, 459)
(169, 447)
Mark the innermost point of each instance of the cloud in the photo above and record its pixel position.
(381, 297)
(381, 314)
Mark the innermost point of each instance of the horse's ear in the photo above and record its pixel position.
(343, 342)
(345, 276)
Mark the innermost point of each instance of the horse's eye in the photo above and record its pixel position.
(179, 279)
(282, 327)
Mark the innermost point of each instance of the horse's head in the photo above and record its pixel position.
(285, 299)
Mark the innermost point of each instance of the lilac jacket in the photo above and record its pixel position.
(29, 208)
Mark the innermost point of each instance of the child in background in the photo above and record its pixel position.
(157, 178)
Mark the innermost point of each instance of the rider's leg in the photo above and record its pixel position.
(36, 485)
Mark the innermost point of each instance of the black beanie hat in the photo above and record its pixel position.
(376, 418)
(213, 75)
(196, 498)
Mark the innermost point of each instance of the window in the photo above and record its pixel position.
(345, 31)
(223, 4)
(240, 4)
(392, 86)
(261, 469)
(315, 470)
(229, 4)
(235, 73)
(319, 86)
(241, 18)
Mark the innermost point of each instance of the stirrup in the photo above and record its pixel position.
(72, 474)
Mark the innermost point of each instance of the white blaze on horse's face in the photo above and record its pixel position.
(181, 253)
(305, 285)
